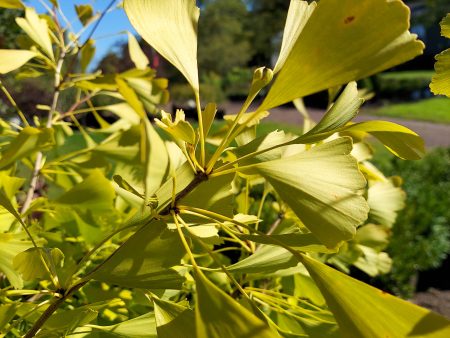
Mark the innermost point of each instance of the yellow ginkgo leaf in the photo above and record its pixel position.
(136, 54)
(298, 14)
(170, 27)
(440, 84)
(37, 29)
(328, 52)
(11, 59)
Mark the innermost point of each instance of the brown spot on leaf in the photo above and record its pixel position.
(349, 19)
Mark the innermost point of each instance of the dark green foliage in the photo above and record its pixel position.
(421, 235)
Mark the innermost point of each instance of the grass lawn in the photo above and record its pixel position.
(436, 109)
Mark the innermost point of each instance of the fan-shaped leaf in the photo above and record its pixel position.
(170, 27)
(328, 50)
(11, 59)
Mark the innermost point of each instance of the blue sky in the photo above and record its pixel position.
(106, 34)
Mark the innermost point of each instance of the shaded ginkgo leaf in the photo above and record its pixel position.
(322, 187)
(363, 311)
(174, 320)
(208, 117)
(141, 327)
(29, 140)
(385, 200)
(138, 57)
(12, 59)
(10, 246)
(85, 13)
(373, 262)
(218, 315)
(328, 50)
(37, 29)
(12, 4)
(7, 313)
(440, 83)
(94, 192)
(149, 267)
(29, 263)
(298, 15)
(399, 140)
(171, 28)
(130, 97)
(373, 236)
(87, 53)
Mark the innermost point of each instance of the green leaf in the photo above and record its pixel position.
(328, 50)
(64, 322)
(7, 313)
(37, 29)
(385, 200)
(12, 4)
(29, 141)
(399, 140)
(156, 160)
(363, 311)
(265, 259)
(208, 117)
(298, 15)
(171, 28)
(131, 97)
(84, 13)
(322, 186)
(174, 320)
(141, 327)
(301, 242)
(138, 57)
(342, 111)
(87, 53)
(10, 246)
(148, 267)
(180, 129)
(29, 263)
(95, 192)
(218, 315)
(440, 83)
(11, 59)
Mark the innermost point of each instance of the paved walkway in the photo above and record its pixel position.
(434, 134)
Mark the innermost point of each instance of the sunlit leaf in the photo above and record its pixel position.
(156, 160)
(363, 311)
(11, 59)
(138, 57)
(174, 320)
(342, 111)
(265, 260)
(400, 140)
(179, 128)
(218, 315)
(29, 140)
(328, 50)
(440, 83)
(171, 28)
(298, 14)
(141, 327)
(148, 267)
(322, 187)
(37, 29)
(10, 246)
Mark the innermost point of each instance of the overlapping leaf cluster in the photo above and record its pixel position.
(145, 232)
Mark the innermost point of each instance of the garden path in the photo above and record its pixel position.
(434, 134)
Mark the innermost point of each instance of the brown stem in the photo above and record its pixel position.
(51, 309)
